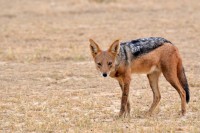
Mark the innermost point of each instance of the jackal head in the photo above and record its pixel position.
(104, 60)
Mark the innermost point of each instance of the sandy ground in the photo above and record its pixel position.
(48, 81)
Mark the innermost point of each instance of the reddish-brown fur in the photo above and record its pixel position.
(165, 59)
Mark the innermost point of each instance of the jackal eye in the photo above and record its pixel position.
(109, 63)
(99, 64)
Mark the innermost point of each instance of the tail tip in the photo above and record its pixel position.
(187, 98)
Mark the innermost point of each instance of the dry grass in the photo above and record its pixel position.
(48, 82)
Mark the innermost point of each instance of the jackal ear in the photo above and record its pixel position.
(94, 47)
(114, 48)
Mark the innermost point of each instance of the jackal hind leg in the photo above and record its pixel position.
(171, 77)
(153, 81)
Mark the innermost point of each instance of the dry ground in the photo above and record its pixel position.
(48, 82)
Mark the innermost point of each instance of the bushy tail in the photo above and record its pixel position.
(183, 80)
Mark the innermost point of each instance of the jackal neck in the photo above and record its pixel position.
(122, 57)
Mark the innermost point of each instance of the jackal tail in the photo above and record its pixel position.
(183, 80)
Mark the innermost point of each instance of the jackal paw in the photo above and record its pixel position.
(124, 114)
(182, 112)
(148, 113)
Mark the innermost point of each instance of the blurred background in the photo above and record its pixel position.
(54, 30)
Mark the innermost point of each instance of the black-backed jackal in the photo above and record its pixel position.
(152, 56)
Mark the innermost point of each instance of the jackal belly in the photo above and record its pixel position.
(144, 69)
(147, 63)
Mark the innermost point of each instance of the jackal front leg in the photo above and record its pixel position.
(128, 106)
(125, 105)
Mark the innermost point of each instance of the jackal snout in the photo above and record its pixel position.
(104, 74)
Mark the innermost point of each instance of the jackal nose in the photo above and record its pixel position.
(105, 74)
